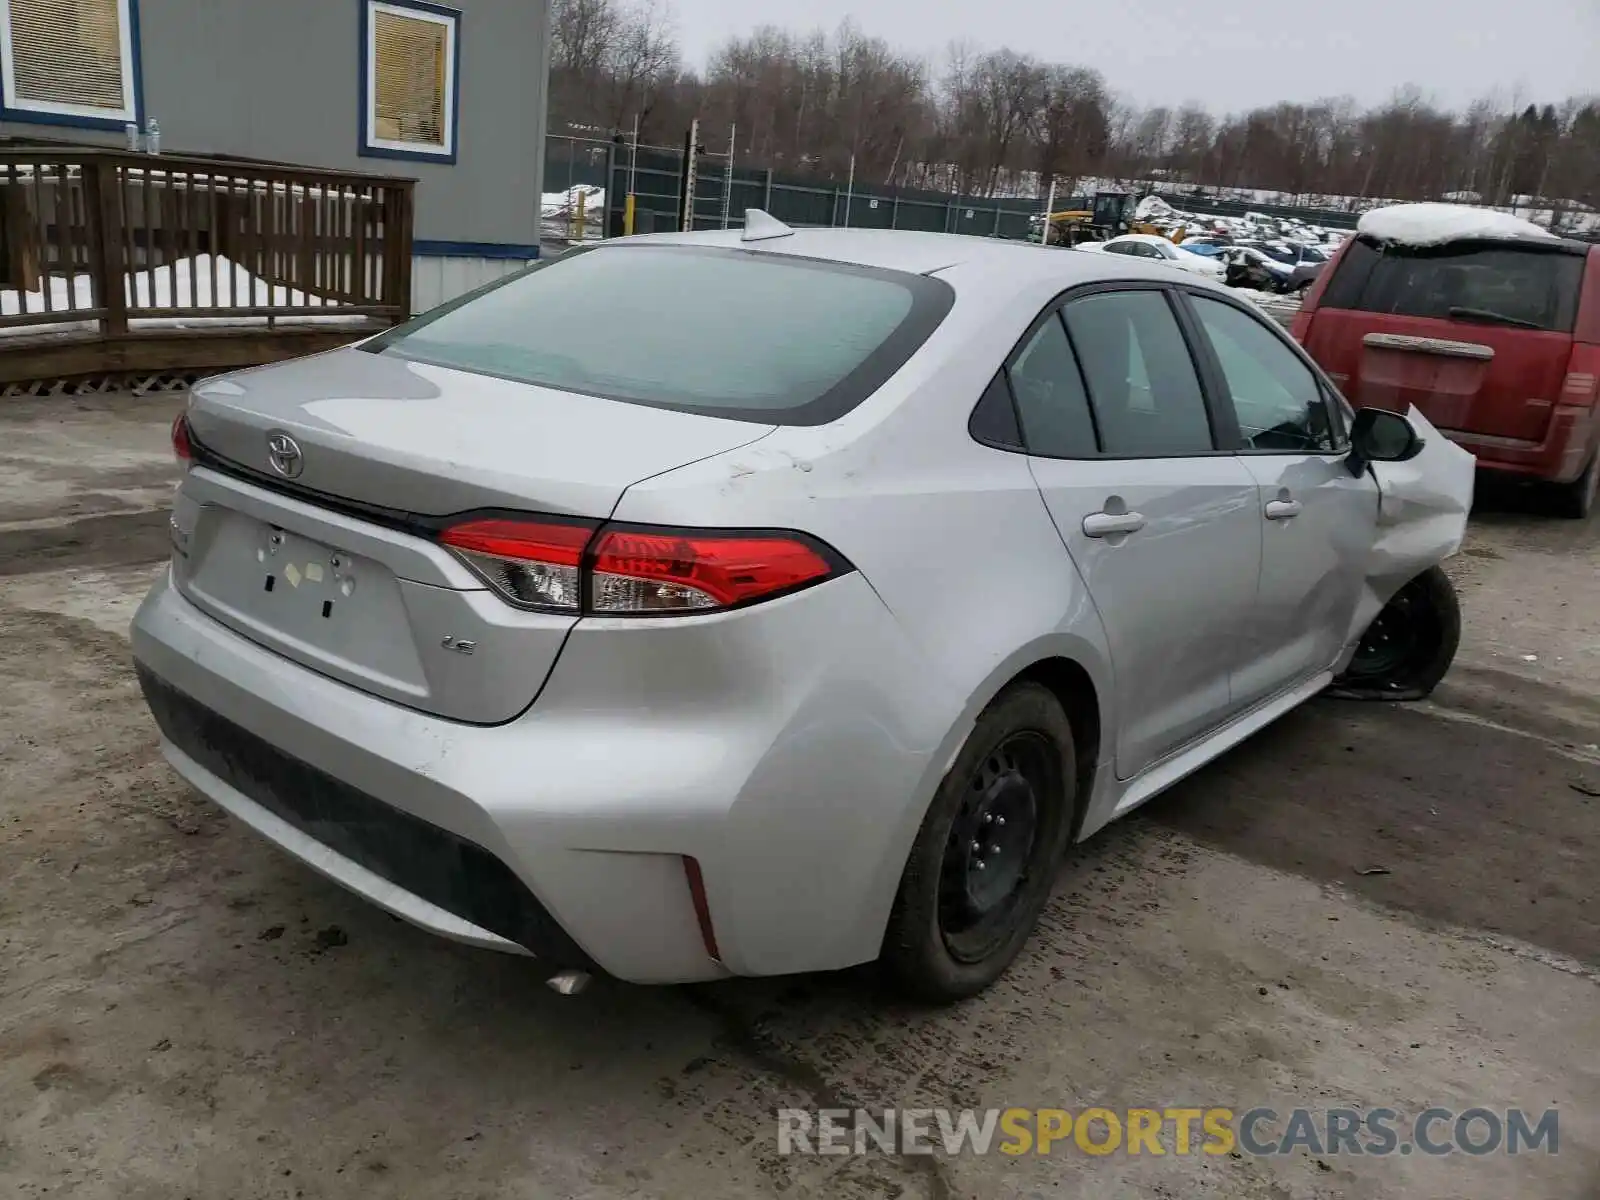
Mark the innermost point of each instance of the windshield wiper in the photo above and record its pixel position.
(1485, 314)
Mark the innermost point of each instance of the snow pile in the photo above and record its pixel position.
(558, 212)
(235, 288)
(565, 204)
(171, 286)
(65, 295)
(1436, 224)
(1152, 208)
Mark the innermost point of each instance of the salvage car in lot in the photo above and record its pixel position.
(1159, 249)
(1273, 266)
(1487, 323)
(806, 621)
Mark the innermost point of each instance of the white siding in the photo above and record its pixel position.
(435, 280)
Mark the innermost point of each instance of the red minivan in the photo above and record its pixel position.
(1497, 341)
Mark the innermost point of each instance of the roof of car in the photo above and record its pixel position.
(920, 253)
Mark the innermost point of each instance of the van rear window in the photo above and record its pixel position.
(1489, 282)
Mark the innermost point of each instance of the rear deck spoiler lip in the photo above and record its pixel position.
(377, 514)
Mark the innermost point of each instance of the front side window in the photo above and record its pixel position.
(1142, 382)
(69, 60)
(728, 333)
(412, 55)
(1277, 399)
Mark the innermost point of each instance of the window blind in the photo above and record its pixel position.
(69, 52)
(409, 78)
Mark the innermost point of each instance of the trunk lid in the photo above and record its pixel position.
(382, 430)
(334, 567)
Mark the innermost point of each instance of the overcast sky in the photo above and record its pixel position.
(1226, 54)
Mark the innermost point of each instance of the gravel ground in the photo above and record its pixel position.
(186, 1012)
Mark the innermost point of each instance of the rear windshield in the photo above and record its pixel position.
(729, 333)
(1488, 282)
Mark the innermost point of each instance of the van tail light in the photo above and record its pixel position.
(531, 563)
(1580, 388)
(182, 447)
(556, 565)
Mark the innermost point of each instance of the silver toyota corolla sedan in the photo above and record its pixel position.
(755, 602)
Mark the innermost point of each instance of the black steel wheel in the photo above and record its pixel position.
(980, 870)
(988, 850)
(1410, 644)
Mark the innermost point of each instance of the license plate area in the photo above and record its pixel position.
(343, 614)
(305, 580)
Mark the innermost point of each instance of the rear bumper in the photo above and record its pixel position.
(1560, 457)
(563, 833)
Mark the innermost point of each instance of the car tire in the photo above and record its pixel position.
(1409, 646)
(1576, 500)
(967, 905)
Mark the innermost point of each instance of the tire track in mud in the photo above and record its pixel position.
(839, 1041)
(113, 540)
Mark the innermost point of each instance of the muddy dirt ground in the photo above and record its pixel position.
(185, 1012)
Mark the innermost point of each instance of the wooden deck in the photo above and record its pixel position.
(113, 262)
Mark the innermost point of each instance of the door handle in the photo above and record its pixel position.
(1103, 524)
(1282, 510)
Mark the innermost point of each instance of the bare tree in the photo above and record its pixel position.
(998, 122)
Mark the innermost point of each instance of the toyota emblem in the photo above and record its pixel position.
(283, 453)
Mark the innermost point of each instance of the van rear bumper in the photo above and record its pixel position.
(1559, 458)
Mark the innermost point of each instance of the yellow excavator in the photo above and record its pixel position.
(1111, 216)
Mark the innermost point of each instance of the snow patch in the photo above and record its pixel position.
(1436, 224)
(175, 285)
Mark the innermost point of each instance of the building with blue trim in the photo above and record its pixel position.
(450, 94)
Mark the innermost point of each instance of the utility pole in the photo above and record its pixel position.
(629, 205)
(727, 177)
(691, 167)
(849, 191)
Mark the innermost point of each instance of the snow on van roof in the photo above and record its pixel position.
(1436, 224)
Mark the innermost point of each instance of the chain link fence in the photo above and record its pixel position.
(606, 172)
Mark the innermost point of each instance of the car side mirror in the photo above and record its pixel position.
(1378, 435)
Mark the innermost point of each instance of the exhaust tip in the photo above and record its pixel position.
(568, 983)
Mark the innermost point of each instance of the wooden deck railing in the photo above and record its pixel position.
(110, 247)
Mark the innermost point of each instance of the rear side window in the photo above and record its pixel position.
(714, 330)
(1490, 282)
(1142, 382)
(1050, 397)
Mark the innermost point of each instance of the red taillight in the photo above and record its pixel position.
(647, 572)
(182, 448)
(533, 564)
(566, 566)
